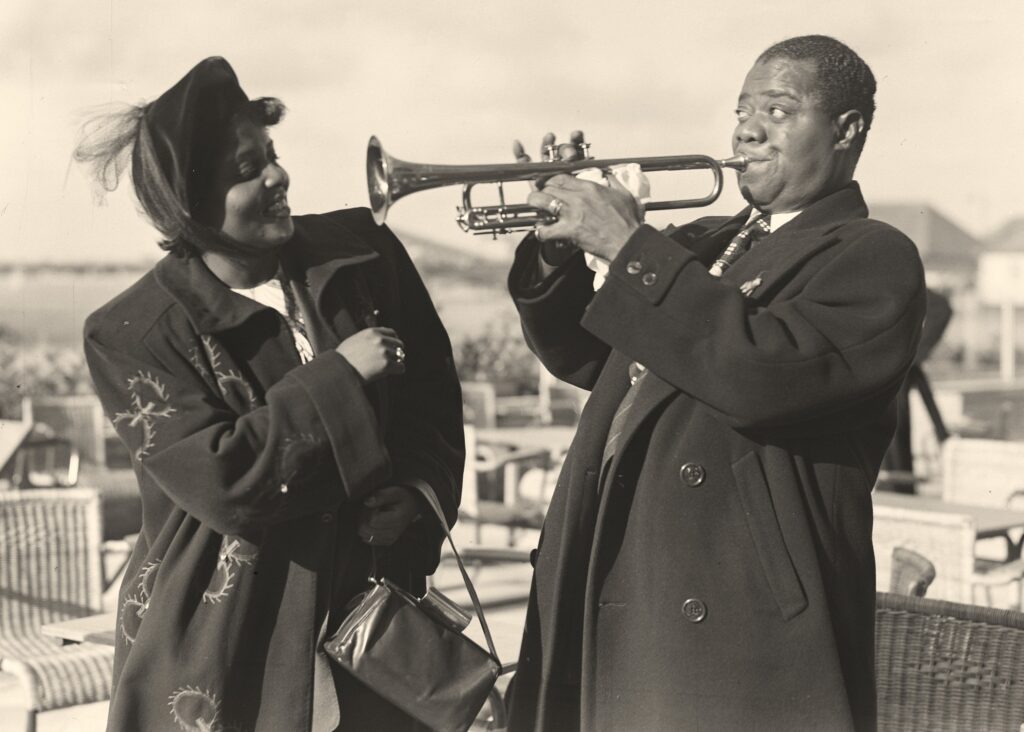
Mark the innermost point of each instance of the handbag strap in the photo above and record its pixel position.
(428, 493)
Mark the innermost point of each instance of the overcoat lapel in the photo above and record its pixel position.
(771, 261)
(320, 251)
(318, 266)
(709, 245)
(769, 264)
(652, 390)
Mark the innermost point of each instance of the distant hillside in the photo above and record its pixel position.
(48, 302)
(72, 268)
(480, 262)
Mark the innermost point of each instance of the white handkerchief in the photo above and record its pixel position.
(634, 180)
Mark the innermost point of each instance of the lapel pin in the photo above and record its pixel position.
(748, 287)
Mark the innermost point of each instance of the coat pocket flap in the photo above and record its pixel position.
(766, 533)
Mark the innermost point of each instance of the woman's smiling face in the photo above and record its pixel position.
(252, 189)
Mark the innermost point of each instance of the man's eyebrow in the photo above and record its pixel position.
(778, 93)
(770, 93)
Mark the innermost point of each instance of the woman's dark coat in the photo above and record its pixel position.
(252, 470)
(719, 573)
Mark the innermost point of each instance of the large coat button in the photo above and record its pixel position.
(649, 278)
(692, 474)
(634, 267)
(694, 610)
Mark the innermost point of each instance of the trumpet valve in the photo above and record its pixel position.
(552, 153)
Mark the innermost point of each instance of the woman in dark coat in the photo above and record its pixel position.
(259, 376)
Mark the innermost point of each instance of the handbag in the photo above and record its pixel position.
(412, 651)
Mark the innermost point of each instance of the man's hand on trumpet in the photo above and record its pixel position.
(598, 219)
(553, 252)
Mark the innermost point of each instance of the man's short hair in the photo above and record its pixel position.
(843, 80)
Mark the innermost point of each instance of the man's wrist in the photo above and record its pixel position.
(628, 233)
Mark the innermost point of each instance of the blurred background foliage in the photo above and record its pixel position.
(38, 370)
(497, 354)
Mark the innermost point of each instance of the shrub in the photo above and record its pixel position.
(40, 370)
(499, 355)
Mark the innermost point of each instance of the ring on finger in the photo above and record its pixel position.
(555, 206)
(400, 355)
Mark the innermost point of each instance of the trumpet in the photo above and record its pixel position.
(390, 179)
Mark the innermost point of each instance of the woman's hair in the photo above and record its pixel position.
(113, 139)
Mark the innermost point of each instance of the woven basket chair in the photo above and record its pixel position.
(985, 473)
(946, 666)
(947, 540)
(982, 472)
(515, 470)
(912, 573)
(76, 417)
(50, 571)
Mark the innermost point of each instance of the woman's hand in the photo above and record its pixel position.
(374, 352)
(386, 513)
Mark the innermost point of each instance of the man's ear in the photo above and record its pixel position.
(849, 127)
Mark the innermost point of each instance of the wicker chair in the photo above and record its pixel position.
(947, 666)
(46, 462)
(78, 418)
(479, 403)
(947, 540)
(519, 472)
(50, 571)
(985, 473)
(982, 472)
(911, 574)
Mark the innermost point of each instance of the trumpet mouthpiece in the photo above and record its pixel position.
(736, 162)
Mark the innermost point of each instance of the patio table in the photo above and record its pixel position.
(988, 521)
(89, 629)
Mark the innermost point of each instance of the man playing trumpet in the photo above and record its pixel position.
(706, 561)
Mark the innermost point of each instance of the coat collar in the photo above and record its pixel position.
(782, 250)
(314, 255)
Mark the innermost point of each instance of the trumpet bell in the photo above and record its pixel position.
(378, 167)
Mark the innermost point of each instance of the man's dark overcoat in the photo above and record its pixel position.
(718, 574)
(252, 470)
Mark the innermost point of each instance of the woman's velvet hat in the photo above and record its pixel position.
(181, 136)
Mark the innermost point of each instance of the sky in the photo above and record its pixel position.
(455, 81)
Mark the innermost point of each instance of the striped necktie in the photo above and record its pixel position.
(740, 244)
(757, 228)
(637, 372)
